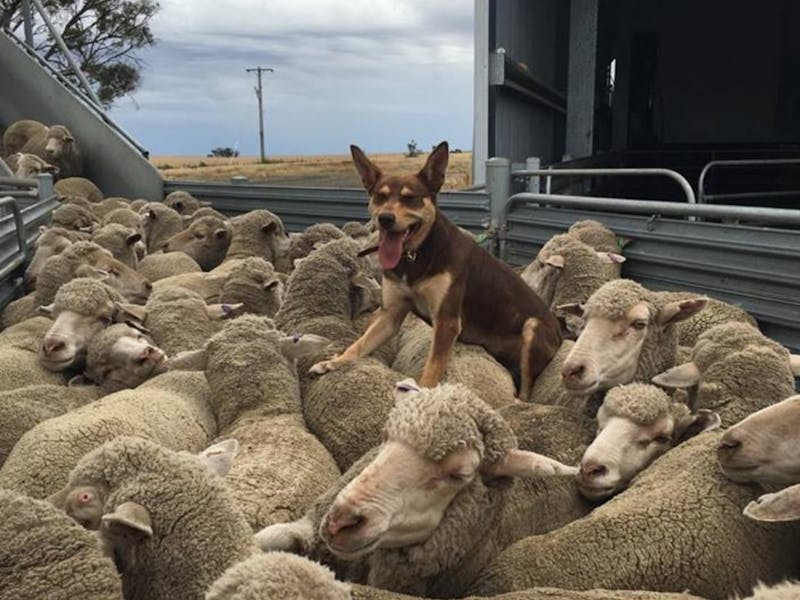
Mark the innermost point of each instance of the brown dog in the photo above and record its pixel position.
(432, 268)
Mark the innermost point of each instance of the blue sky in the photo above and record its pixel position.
(372, 72)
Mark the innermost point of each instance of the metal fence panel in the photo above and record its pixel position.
(752, 267)
(301, 207)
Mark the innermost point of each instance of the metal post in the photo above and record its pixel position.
(73, 65)
(45, 184)
(259, 95)
(498, 185)
(28, 20)
(533, 163)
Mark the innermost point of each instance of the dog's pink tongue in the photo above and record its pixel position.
(390, 249)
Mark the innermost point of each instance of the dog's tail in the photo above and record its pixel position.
(528, 338)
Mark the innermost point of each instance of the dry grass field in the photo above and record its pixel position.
(310, 171)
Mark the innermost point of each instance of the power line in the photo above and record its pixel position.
(259, 95)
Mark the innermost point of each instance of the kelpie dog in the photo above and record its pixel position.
(433, 268)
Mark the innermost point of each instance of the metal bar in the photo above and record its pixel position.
(674, 175)
(18, 182)
(65, 50)
(20, 233)
(20, 193)
(28, 21)
(750, 162)
(749, 195)
(521, 89)
(782, 216)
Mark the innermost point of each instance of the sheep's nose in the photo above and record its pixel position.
(148, 286)
(729, 443)
(592, 468)
(164, 247)
(574, 371)
(51, 346)
(386, 220)
(342, 518)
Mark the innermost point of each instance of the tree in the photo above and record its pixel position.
(103, 36)
(226, 152)
(412, 149)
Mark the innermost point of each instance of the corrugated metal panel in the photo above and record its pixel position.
(755, 268)
(301, 207)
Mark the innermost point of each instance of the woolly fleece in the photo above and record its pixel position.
(155, 267)
(78, 186)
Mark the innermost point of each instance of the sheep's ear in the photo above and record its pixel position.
(59, 499)
(673, 312)
(555, 260)
(79, 380)
(432, 172)
(523, 463)
(780, 506)
(364, 281)
(42, 228)
(269, 227)
(404, 387)
(221, 233)
(129, 519)
(573, 308)
(296, 346)
(52, 169)
(270, 283)
(124, 311)
(188, 360)
(682, 376)
(794, 363)
(692, 425)
(367, 170)
(133, 238)
(612, 258)
(47, 310)
(219, 457)
(217, 312)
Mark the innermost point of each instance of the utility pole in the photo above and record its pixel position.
(259, 95)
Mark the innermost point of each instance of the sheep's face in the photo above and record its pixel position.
(65, 343)
(607, 351)
(182, 202)
(206, 241)
(83, 503)
(76, 218)
(621, 450)
(764, 447)
(543, 274)
(130, 360)
(397, 500)
(129, 283)
(48, 244)
(30, 165)
(59, 142)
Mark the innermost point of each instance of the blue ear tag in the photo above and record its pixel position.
(296, 337)
(226, 308)
(406, 387)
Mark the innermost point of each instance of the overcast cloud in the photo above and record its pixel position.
(376, 73)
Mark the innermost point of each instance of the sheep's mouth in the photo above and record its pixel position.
(351, 552)
(582, 389)
(593, 492)
(60, 364)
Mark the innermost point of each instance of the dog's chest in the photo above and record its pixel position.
(426, 295)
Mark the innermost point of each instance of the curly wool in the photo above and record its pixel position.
(594, 234)
(72, 216)
(123, 216)
(60, 269)
(641, 403)
(85, 296)
(715, 313)
(615, 298)
(114, 238)
(45, 554)
(718, 342)
(158, 230)
(177, 320)
(438, 421)
(356, 229)
(102, 208)
(78, 186)
(302, 244)
(245, 284)
(249, 239)
(155, 267)
(198, 532)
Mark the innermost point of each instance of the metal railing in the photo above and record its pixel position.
(755, 162)
(623, 172)
(19, 229)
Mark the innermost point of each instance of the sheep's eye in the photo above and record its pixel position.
(198, 236)
(663, 439)
(644, 443)
(639, 325)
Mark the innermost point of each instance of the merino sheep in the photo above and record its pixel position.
(19, 360)
(258, 233)
(735, 370)
(121, 357)
(138, 204)
(255, 284)
(77, 201)
(19, 133)
(636, 424)
(23, 408)
(159, 223)
(155, 267)
(206, 240)
(357, 230)
(123, 216)
(630, 334)
(172, 409)
(281, 467)
(595, 234)
(45, 554)
(73, 217)
(51, 241)
(82, 307)
(291, 577)
(715, 313)
(29, 165)
(124, 243)
(301, 244)
(78, 186)
(182, 202)
(469, 364)
(102, 208)
(205, 211)
(427, 510)
(677, 527)
(87, 259)
(166, 517)
(57, 146)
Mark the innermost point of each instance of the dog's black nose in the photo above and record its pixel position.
(386, 220)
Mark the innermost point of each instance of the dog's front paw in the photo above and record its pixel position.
(325, 366)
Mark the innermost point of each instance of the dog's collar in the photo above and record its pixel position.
(408, 254)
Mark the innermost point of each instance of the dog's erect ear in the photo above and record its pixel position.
(432, 174)
(367, 170)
